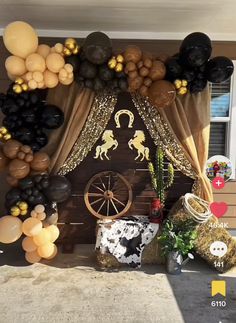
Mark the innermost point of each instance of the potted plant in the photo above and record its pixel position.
(160, 184)
(177, 242)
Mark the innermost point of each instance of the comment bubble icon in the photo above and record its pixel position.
(218, 249)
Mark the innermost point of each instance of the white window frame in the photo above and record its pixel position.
(230, 121)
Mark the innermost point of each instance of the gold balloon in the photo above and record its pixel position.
(54, 253)
(43, 237)
(23, 205)
(15, 211)
(20, 39)
(46, 250)
(112, 63)
(55, 62)
(50, 79)
(28, 244)
(23, 212)
(70, 43)
(183, 90)
(10, 229)
(35, 62)
(15, 65)
(32, 257)
(177, 84)
(120, 58)
(19, 80)
(184, 83)
(76, 50)
(66, 51)
(24, 87)
(31, 227)
(17, 88)
(54, 232)
(43, 50)
(119, 67)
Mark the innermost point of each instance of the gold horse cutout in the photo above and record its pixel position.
(109, 142)
(137, 143)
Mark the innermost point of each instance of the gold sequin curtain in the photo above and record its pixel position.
(182, 130)
(99, 115)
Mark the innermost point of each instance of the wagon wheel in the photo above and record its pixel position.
(108, 195)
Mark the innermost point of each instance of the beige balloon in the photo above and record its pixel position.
(55, 62)
(32, 257)
(43, 50)
(54, 232)
(28, 244)
(10, 229)
(35, 62)
(46, 250)
(54, 253)
(15, 65)
(12, 77)
(43, 237)
(67, 81)
(50, 79)
(20, 39)
(31, 227)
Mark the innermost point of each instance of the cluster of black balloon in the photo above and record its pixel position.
(193, 63)
(91, 69)
(39, 189)
(27, 116)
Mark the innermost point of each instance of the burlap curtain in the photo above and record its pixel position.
(189, 120)
(75, 103)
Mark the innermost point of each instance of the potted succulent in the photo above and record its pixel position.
(160, 184)
(177, 242)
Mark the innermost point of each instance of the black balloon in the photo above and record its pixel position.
(26, 183)
(123, 84)
(74, 61)
(87, 70)
(29, 116)
(173, 69)
(12, 122)
(195, 49)
(97, 47)
(197, 85)
(189, 75)
(219, 69)
(98, 84)
(25, 135)
(105, 73)
(59, 189)
(51, 117)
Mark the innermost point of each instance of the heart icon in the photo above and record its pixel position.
(219, 209)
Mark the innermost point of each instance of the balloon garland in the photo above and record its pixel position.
(34, 67)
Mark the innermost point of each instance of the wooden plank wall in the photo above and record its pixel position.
(228, 195)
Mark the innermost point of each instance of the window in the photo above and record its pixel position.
(223, 119)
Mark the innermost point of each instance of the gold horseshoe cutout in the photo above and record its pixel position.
(124, 111)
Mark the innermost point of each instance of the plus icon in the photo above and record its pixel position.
(218, 183)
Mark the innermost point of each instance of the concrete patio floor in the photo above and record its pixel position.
(71, 288)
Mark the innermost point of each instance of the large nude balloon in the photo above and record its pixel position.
(10, 229)
(55, 62)
(35, 62)
(20, 39)
(15, 65)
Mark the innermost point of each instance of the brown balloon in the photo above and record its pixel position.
(18, 168)
(163, 57)
(130, 66)
(11, 148)
(3, 160)
(157, 71)
(161, 93)
(40, 162)
(12, 181)
(143, 71)
(135, 83)
(132, 54)
(147, 82)
(143, 90)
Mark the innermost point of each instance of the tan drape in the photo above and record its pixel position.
(76, 104)
(189, 119)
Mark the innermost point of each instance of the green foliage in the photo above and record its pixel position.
(177, 238)
(157, 175)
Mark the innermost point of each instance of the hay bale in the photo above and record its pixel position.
(207, 234)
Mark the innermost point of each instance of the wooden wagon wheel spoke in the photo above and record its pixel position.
(95, 194)
(108, 207)
(118, 201)
(96, 201)
(114, 206)
(101, 206)
(98, 188)
(113, 195)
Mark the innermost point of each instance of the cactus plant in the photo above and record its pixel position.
(159, 184)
